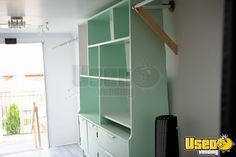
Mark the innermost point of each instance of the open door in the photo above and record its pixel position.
(23, 109)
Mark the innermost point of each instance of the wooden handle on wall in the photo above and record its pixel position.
(157, 29)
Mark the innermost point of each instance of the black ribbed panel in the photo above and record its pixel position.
(166, 136)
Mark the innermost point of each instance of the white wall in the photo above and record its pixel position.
(61, 93)
(1, 131)
(195, 74)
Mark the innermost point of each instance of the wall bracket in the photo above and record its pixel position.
(140, 10)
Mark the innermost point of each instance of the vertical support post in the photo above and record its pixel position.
(38, 127)
(33, 127)
(37, 139)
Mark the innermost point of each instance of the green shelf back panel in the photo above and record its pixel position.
(149, 83)
(89, 95)
(99, 29)
(121, 20)
(113, 60)
(114, 97)
(93, 61)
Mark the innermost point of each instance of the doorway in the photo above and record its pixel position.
(23, 113)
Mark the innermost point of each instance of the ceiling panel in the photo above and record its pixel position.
(62, 15)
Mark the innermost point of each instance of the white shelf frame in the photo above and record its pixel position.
(107, 78)
(119, 118)
(110, 42)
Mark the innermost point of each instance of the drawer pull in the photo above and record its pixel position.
(92, 125)
(109, 154)
(113, 137)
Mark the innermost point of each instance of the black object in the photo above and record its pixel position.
(10, 41)
(228, 107)
(167, 144)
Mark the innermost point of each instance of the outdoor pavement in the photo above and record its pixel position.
(65, 151)
(19, 143)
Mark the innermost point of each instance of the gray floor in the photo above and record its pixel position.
(66, 151)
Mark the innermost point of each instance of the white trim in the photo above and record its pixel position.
(107, 78)
(110, 42)
(36, 35)
(142, 3)
(163, 6)
(46, 94)
(100, 13)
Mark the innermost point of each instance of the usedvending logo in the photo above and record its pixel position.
(209, 146)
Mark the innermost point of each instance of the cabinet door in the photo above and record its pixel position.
(92, 140)
(83, 135)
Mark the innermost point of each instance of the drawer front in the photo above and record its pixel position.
(103, 153)
(113, 146)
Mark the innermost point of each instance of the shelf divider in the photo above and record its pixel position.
(107, 78)
(110, 42)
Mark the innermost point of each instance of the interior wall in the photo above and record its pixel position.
(195, 74)
(60, 91)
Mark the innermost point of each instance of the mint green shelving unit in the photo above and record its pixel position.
(99, 28)
(125, 86)
(93, 61)
(121, 21)
(115, 101)
(89, 94)
(114, 60)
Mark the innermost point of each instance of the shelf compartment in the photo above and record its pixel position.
(99, 28)
(120, 118)
(93, 61)
(89, 95)
(121, 20)
(115, 101)
(114, 60)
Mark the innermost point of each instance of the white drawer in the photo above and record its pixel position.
(104, 153)
(113, 146)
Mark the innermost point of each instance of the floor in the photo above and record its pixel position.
(65, 151)
(19, 143)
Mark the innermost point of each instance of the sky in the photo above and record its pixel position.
(21, 59)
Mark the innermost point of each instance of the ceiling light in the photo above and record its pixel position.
(16, 22)
(44, 27)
